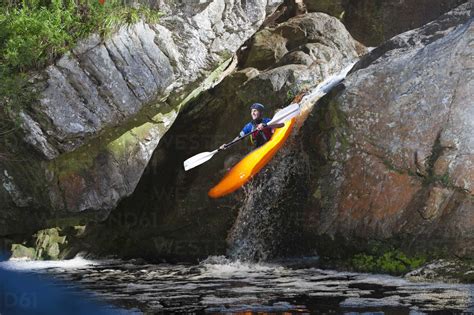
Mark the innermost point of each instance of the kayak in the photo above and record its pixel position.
(251, 164)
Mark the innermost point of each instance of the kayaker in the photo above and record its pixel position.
(260, 134)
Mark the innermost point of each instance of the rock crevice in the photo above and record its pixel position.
(103, 108)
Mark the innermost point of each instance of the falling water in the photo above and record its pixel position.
(266, 228)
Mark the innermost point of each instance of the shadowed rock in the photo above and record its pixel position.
(102, 109)
(179, 219)
(373, 22)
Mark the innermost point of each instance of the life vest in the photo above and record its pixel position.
(260, 137)
(257, 137)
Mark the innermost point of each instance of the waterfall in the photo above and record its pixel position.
(266, 228)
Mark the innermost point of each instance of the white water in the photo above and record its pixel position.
(266, 227)
(322, 89)
(218, 284)
(22, 264)
(222, 267)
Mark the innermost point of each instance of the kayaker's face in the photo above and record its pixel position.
(255, 113)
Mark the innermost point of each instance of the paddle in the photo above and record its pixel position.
(280, 117)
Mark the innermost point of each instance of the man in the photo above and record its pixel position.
(260, 134)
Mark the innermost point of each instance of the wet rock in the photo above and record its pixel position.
(315, 34)
(180, 221)
(456, 271)
(21, 251)
(102, 109)
(373, 22)
(375, 142)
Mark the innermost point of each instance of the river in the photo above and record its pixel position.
(219, 285)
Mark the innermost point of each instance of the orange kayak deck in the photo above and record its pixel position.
(250, 165)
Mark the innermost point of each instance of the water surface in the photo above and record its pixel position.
(218, 285)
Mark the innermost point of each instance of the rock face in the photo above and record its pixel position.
(307, 39)
(457, 271)
(387, 156)
(46, 244)
(170, 215)
(392, 152)
(103, 108)
(372, 22)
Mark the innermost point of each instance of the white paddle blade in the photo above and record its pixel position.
(198, 159)
(285, 114)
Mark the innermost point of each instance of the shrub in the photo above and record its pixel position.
(35, 32)
(392, 262)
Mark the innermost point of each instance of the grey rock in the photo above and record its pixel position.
(103, 84)
(315, 34)
(391, 150)
(9, 186)
(183, 210)
(87, 44)
(373, 22)
(35, 136)
(296, 55)
(103, 107)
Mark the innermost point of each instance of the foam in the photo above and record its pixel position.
(23, 264)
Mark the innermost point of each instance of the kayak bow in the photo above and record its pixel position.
(251, 164)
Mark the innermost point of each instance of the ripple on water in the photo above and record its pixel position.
(219, 285)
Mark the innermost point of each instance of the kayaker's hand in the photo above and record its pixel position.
(222, 147)
(261, 126)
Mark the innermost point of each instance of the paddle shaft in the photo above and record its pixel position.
(228, 145)
(278, 119)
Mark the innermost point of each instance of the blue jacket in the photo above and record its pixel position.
(260, 137)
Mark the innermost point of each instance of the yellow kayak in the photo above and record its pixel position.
(250, 165)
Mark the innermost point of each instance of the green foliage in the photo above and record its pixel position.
(290, 95)
(30, 37)
(392, 262)
(35, 32)
(15, 94)
(443, 180)
(10, 86)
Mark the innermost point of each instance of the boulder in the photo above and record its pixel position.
(313, 34)
(454, 271)
(170, 216)
(391, 150)
(101, 110)
(373, 22)
(48, 244)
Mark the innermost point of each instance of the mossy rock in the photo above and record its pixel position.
(48, 244)
(446, 270)
(393, 262)
(21, 251)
